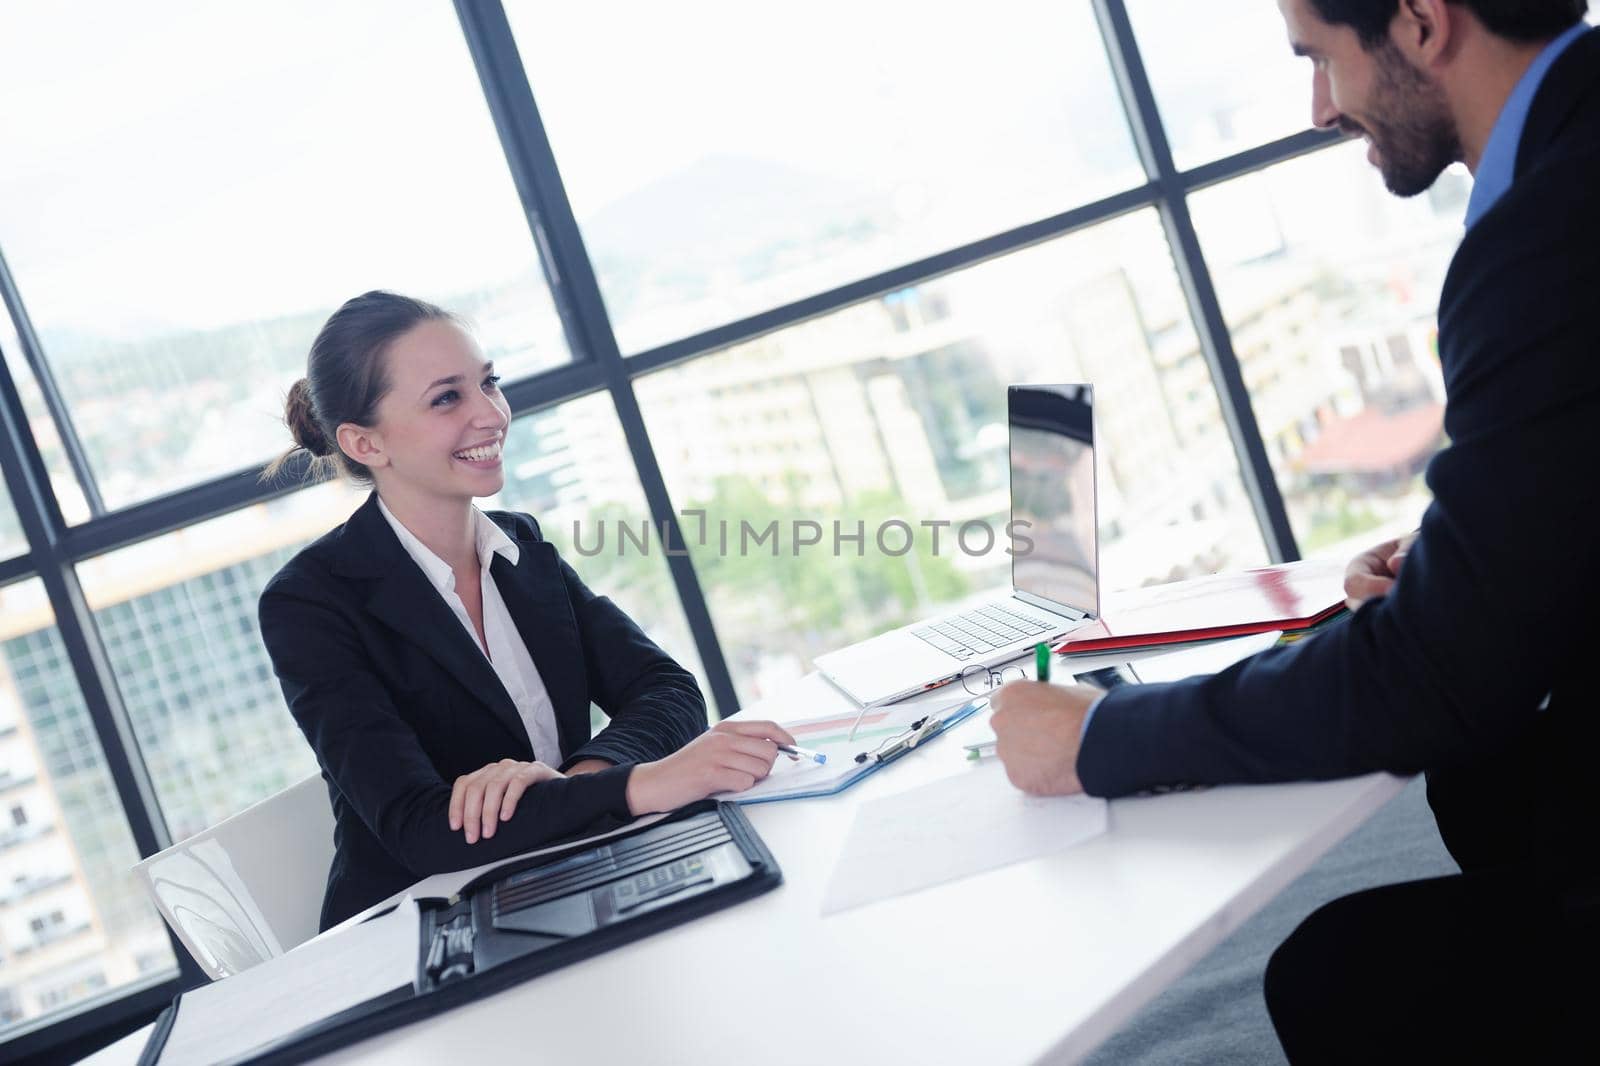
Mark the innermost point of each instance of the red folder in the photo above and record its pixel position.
(1293, 596)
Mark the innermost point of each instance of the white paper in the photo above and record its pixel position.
(231, 1017)
(954, 828)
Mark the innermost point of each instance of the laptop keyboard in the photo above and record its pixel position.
(979, 631)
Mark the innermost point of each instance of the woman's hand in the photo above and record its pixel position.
(485, 798)
(730, 758)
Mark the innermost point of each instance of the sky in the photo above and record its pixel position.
(183, 164)
(196, 162)
(331, 147)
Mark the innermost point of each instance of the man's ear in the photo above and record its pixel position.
(1425, 31)
(361, 444)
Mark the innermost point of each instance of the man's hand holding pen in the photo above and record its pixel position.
(1037, 728)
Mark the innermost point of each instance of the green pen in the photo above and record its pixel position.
(1041, 660)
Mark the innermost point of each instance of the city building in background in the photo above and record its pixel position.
(72, 924)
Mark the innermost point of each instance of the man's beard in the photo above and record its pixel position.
(1410, 124)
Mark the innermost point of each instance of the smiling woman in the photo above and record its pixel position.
(442, 661)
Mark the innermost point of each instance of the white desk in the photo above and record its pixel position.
(1035, 962)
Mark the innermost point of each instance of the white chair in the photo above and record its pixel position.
(249, 888)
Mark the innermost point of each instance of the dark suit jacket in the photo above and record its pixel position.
(1495, 610)
(397, 700)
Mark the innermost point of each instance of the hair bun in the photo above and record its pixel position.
(301, 416)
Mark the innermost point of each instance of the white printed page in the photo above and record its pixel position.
(961, 825)
(236, 1015)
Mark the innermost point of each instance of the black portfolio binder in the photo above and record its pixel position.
(528, 917)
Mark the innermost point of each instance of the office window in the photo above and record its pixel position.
(1224, 77)
(1330, 286)
(181, 213)
(69, 494)
(569, 467)
(762, 157)
(894, 410)
(73, 923)
(178, 617)
(12, 542)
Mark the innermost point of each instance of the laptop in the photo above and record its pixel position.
(1054, 562)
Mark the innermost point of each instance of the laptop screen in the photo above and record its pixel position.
(1055, 551)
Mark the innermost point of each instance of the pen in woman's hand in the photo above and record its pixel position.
(795, 752)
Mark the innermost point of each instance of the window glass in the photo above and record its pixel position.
(894, 410)
(723, 160)
(570, 468)
(181, 214)
(69, 495)
(73, 922)
(1330, 286)
(12, 542)
(1223, 75)
(178, 617)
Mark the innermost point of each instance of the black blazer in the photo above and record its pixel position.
(397, 700)
(1477, 667)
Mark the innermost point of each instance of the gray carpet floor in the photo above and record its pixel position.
(1215, 1013)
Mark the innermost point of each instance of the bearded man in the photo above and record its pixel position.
(1471, 663)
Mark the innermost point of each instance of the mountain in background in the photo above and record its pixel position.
(725, 212)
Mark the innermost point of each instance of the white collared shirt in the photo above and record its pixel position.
(506, 652)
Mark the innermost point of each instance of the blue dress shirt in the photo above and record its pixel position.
(1499, 163)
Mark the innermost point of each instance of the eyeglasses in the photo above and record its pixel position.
(980, 680)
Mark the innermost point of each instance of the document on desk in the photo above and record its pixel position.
(798, 778)
(962, 825)
(849, 758)
(232, 1017)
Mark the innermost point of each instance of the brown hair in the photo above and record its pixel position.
(346, 376)
(1517, 20)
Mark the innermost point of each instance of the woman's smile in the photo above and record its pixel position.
(485, 456)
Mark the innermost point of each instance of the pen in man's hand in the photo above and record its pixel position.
(802, 753)
(1041, 661)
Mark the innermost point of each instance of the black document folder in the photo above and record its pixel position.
(528, 917)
